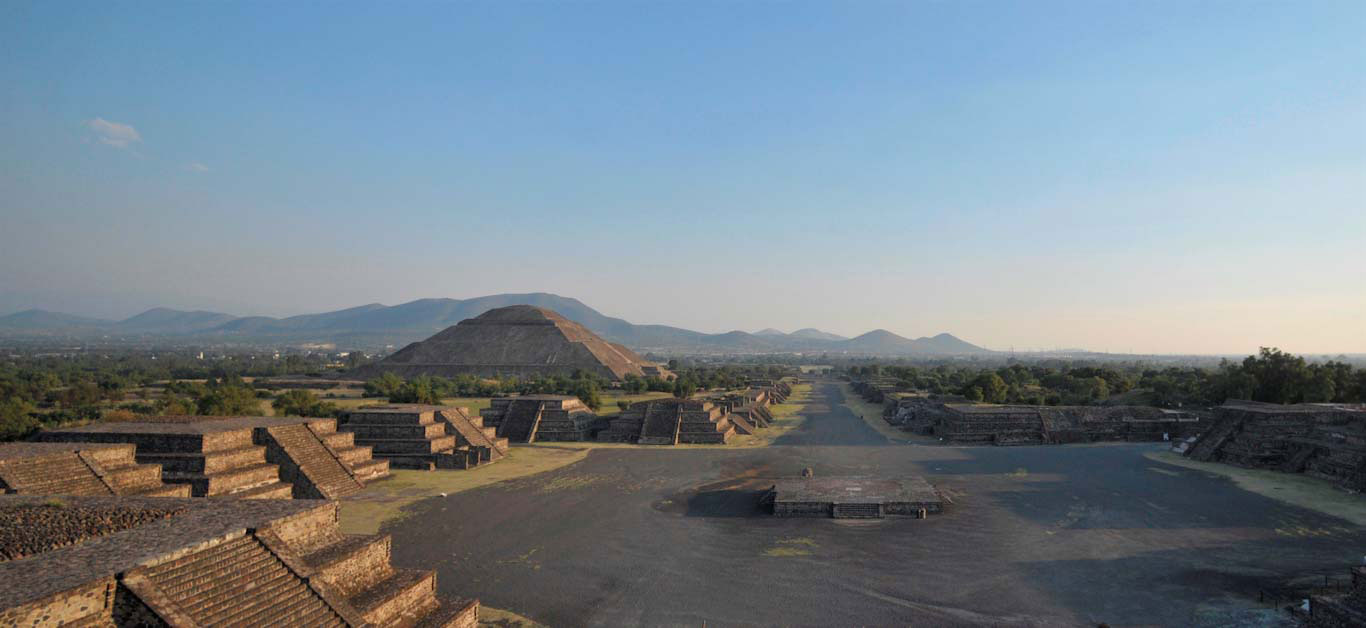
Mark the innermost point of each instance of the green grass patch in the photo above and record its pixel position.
(385, 500)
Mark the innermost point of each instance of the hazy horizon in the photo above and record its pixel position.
(1176, 178)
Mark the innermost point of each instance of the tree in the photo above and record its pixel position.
(16, 419)
(418, 390)
(1281, 377)
(383, 386)
(989, 388)
(684, 388)
(229, 399)
(587, 391)
(303, 403)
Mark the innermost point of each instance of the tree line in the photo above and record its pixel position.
(1270, 375)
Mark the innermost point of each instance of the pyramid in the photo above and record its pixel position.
(520, 340)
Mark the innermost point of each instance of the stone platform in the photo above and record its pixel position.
(80, 469)
(415, 436)
(194, 562)
(531, 418)
(268, 457)
(854, 497)
(1327, 441)
(670, 422)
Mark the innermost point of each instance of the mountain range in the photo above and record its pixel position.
(375, 324)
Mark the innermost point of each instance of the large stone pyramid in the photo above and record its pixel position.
(520, 340)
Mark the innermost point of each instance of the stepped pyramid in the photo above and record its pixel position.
(531, 418)
(415, 436)
(670, 422)
(188, 562)
(270, 457)
(521, 341)
(80, 469)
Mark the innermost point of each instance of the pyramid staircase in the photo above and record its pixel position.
(521, 421)
(315, 469)
(80, 469)
(412, 436)
(742, 423)
(533, 418)
(298, 571)
(469, 431)
(1207, 446)
(661, 423)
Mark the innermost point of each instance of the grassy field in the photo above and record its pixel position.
(787, 416)
(385, 499)
(1292, 488)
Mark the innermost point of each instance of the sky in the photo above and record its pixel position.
(1155, 177)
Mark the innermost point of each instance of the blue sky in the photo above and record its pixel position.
(1145, 176)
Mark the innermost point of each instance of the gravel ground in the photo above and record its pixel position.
(1042, 536)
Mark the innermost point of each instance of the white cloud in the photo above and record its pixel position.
(115, 134)
(196, 167)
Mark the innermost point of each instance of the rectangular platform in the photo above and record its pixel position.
(855, 497)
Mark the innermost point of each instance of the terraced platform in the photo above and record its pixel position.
(254, 457)
(415, 436)
(80, 469)
(531, 418)
(210, 562)
(670, 422)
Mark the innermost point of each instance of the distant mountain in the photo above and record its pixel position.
(377, 324)
(167, 321)
(883, 342)
(45, 321)
(815, 334)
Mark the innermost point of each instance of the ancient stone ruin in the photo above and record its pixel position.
(670, 422)
(990, 424)
(80, 469)
(520, 341)
(1323, 440)
(531, 418)
(87, 561)
(249, 457)
(414, 436)
(853, 497)
(1343, 610)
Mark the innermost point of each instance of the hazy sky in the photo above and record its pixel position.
(1122, 176)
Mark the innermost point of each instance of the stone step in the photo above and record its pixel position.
(57, 475)
(273, 490)
(451, 614)
(226, 481)
(367, 431)
(205, 462)
(400, 599)
(371, 469)
(339, 440)
(134, 477)
(420, 462)
(384, 447)
(387, 418)
(164, 490)
(354, 564)
(353, 454)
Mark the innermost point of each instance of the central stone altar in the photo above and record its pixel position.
(854, 497)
